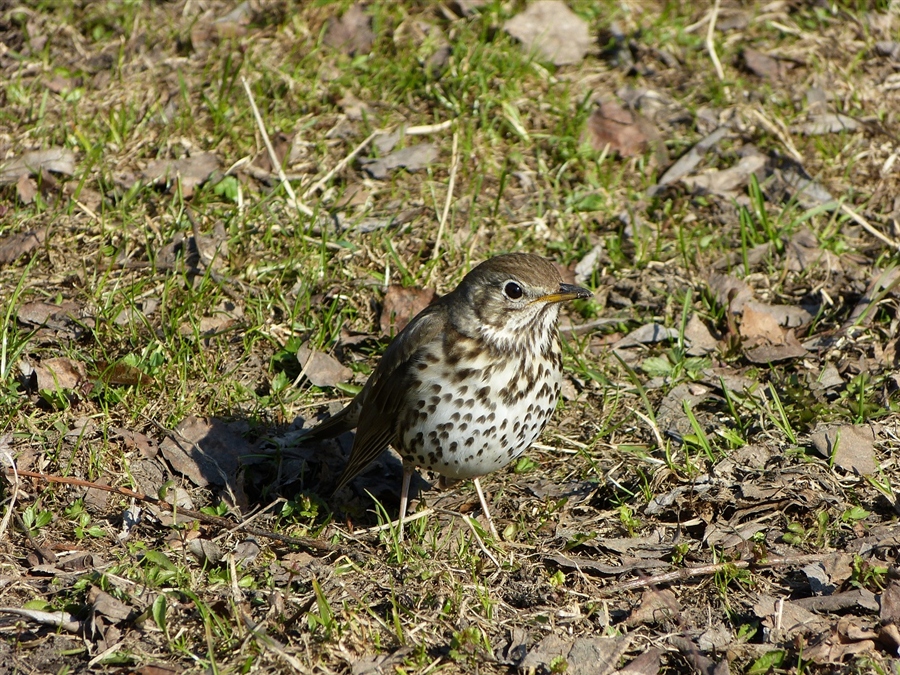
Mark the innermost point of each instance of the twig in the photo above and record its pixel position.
(305, 542)
(292, 198)
(711, 43)
(868, 227)
(319, 184)
(454, 162)
(708, 570)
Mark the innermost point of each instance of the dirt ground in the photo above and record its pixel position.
(213, 217)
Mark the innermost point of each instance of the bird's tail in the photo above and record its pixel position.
(335, 425)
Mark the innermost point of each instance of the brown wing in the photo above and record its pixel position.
(387, 389)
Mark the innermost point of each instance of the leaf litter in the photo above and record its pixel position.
(834, 297)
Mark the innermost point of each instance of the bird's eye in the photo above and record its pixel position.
(512, 290)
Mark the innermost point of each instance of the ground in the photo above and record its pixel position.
(180, 300)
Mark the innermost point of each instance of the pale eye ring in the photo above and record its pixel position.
(512, 290)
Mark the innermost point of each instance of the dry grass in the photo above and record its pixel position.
(179, 305)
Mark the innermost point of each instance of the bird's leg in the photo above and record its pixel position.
(484, 507)
(404, 495)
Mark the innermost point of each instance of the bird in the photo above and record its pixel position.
(471, 381)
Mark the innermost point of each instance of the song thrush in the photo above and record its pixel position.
(471, 381)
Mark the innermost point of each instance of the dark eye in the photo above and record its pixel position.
(512, 290)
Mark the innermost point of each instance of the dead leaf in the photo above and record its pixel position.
(59, 373)
(647, 334)
(765, 66)
(322, 370)
(656, 606)
(691, 159)
(648, 663)
(401, 305)
(625, 132)
(727, 181)
(110, 607)
(849, 446)
(15, 246)
(352, 33)
(826, 123)
(890, 602)
(583, 655)
(191, 171)
(26, 188)
(134, 439)
(122, 373)
(700, 341)
(413, 158)
(207, 450)
(757, 323)
(58, 160)
(786, 616)
(730, 292)
(552, 30)
(773, 353)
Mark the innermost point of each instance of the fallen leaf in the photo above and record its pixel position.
(757, 323)
(583, 655)
(110, 607)
(646, 334)
(773, 353)
(59, 373)
(730, 292)
(656, 606)
(765, 66)
(413, 158)
(401, 305)
(826, 123)
(624, 131)
(352, 33)
(647, 663)
(849, 446)
(58, 160)
(134, 439)
(15, 246)
(322, 370)
(26, 188)
(551, 29)
(700, 341)
(691, 159)
(890, 602)
(191, 171)
(727, 181)
(207, 450)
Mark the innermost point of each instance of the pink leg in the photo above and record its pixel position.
(484, 507)
(404, 496)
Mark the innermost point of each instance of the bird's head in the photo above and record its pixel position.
(512, 300)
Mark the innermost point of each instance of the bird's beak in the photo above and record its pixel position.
(565, 293)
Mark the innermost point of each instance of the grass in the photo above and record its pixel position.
(166, 331)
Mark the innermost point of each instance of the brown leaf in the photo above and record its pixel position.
(322, 370)
(626, 132)
(766, 66)
(890, 602)
(207, 450)
(352, 33)
(190, 171)
(656, 606)
(551, 29)
(700, 340)
(16, 245)
(647, 663)
(134, 439)
(413, 158)
(58, 160)
(122, 373)
(849, 446)
(401, 305)
(109, 606)
(727, 181)
(583, 655)
(26, 188)
(59, 373)
(773, 353)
